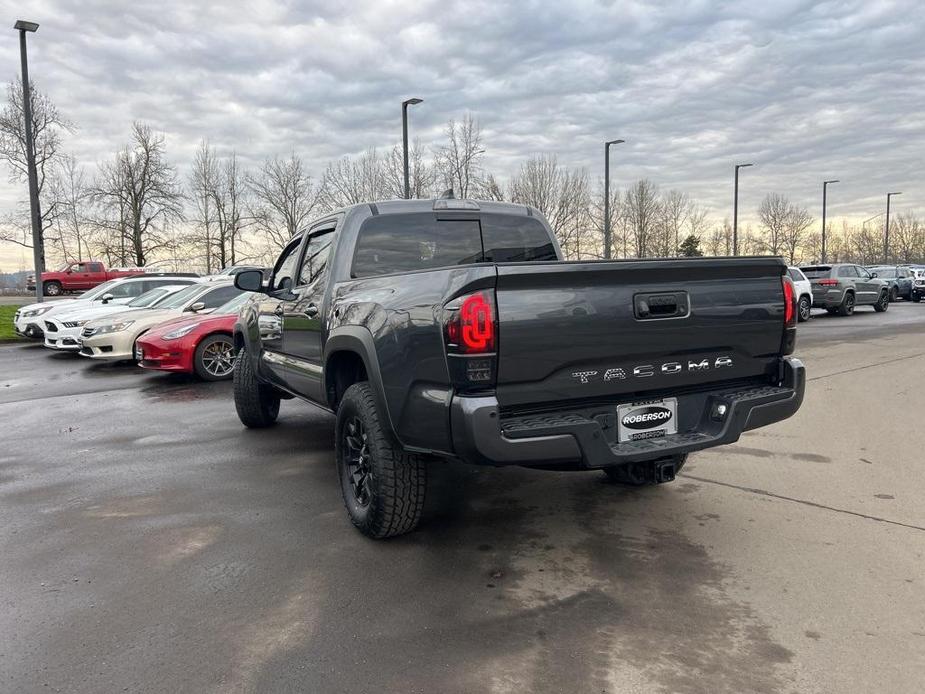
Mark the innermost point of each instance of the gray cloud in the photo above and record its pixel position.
(808, 90)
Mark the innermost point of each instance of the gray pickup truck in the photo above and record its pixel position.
(453, 329)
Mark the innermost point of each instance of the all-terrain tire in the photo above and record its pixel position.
(257, 404)
(634, 474)
(883, 302)
(846, 308)
(52, 288)
(393, 482)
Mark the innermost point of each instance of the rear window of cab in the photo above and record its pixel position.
(408, 242)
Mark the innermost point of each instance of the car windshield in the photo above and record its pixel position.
(233, 305)
(150, 297)
(99, 290)
(179, 299)
(817, 271)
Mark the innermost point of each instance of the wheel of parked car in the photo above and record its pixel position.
(52, 289)
(916, 297)
(894, 294)
(383, 486)
(214, 358)
(883, 303)
(640, 474)
(847, 305)
(257, 404)
(804, 309)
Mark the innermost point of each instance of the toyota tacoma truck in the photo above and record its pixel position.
(78, 277)
(453, 329)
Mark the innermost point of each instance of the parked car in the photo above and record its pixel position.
(62, 332)
(28, 321)
(448, 329)
(200, 344)
(899, 278)
(841, 287)
(918, 284)
(113, 337)
(804, 292)
(78, 276)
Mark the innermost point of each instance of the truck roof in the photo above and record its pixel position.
(443, 205)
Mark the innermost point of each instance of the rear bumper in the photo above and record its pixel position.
(577, 439)
(829, 298)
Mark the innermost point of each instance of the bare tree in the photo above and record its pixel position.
(459, 161)
(421, 175)
(144, 188)
(773, 213)
(203, 183)
(641, 208)
(284, 199)
(561, 195)
(48, 125)
(72, 196)
(673, 215)
(906, 237)
(797, 221)
(351, 181)
(229, 199)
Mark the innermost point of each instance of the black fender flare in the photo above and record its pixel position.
(357, 339)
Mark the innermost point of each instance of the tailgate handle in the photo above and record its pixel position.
(661, 305)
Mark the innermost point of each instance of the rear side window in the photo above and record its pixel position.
(96, 267)
(409, 242)
(795, 275)
(847, 271)
(217, 297)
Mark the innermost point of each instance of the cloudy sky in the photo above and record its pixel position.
(808, 90)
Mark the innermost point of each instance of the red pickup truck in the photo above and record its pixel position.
(78, 277)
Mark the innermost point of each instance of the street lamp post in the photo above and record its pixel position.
(38, 250)
(886, 231)
(404, 138)
(735, 211)
(824, 186)
(607, 236)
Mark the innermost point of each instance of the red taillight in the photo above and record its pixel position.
(470, 329)
(827, 283)
(790, 304)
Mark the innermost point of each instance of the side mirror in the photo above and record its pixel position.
(249, 281)
(106, 298)
(873, 275)
(198, 306)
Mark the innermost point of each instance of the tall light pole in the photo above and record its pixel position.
(824, 186)
(886, 231)
(35, 214)
(607, 236)
(404, 139)
(735, 211)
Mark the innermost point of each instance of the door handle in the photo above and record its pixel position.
(279, 310)
(311, 310)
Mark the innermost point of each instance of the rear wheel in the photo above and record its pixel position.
(257, 404)
(804, 309)
(52, 288)
(214, 358)
(883, 303)
(894, 294)
(916, 297)
(383, 486)
(847, 305)
(642, 474)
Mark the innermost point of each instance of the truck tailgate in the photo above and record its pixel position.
(623, 329)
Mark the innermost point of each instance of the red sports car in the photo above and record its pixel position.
(200, 344)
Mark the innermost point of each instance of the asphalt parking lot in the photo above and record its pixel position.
(151, 544)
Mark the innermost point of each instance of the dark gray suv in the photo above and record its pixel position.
(839, 288)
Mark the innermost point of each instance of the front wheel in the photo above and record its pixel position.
(883, 303)
(894, 294)
(804, 309)
(383, 486)
(257, 404)
(916, 297)
(214, 358)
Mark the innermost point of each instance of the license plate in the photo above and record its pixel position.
(647, 420)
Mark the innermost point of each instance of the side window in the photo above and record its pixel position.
(862, 273)
(95, 267)
(794, 275)
(220, 296)
(127, 289)
(315, 260)
(284, 270)
(79, 267)
(847, 271)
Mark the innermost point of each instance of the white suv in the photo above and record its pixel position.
(804, 292)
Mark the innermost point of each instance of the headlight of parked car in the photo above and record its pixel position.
(113, 327)
(37, 312)
(179, 332)
(75, 323)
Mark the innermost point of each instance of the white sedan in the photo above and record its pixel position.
(62, 331)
